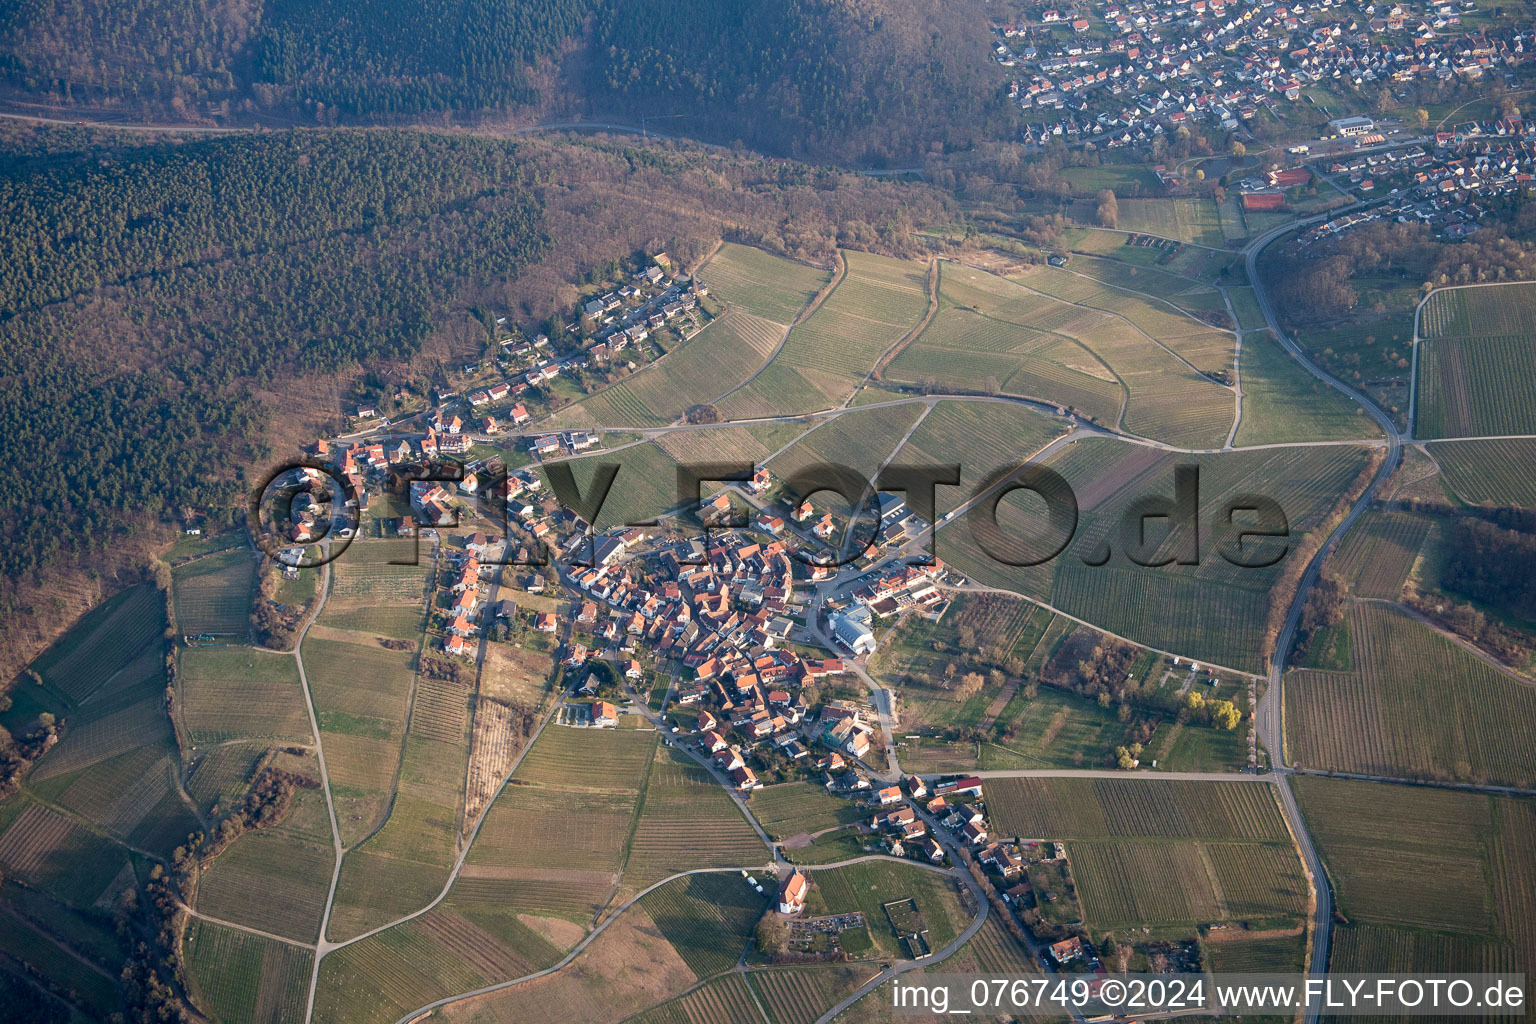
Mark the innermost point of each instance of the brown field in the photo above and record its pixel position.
(628, 968)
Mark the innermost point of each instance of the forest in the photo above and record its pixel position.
(870, 81)
(1492, 565)
(148, 299)
(175, 311)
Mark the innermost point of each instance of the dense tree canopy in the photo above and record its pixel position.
(147, 299)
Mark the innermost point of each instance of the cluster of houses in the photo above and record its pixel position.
(1445, 186)
(1125, 73)
(465, 611)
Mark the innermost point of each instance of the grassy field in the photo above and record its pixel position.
(1479, 471)
(1372, 355)
(1210, 266)
(877, 301)
(645, 487)
(236, 693)
(1455, 891)
(239, 978)
(1414, 705)
(1283, 402)
(1115, 809)
(868, 886)
(1216, 611)
(795, 807)
(1184, 219)
(761, 283)
(1246, 306)
(1379, 552)
(213, 594)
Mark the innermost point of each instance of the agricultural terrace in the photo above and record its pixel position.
(363, 575)
(1379, 552)
(107, 639)
(687, 821)
(708, 918)
(760, 283)
(630, 967)
(1480, 472)
(862, 439)
(362, 693)
(792, 808)
(877, 302)
(725, 353)
(591, 779)
(1476, 373)
(275, 879)
(644, 488)
(999, 335)
(218, 774)
(1415, 704)
(245, 979)
(1429, 879)
(1173, 322)
(213, 594)
(50, 851)
(800, 995)
(405, 864)
(983, 437)
(725, 1000)
(528, 890)
(1186, 883)
(440, 953)
(1121, 809)
(227, 693)
(1283, 402)
(76, 954)
(1237, 951)
(132, 796)
(1214, 611)
(752, 443)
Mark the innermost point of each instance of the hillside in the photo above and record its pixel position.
(849, 80)
(176, 313)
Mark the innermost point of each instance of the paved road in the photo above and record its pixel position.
(1268, 715)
